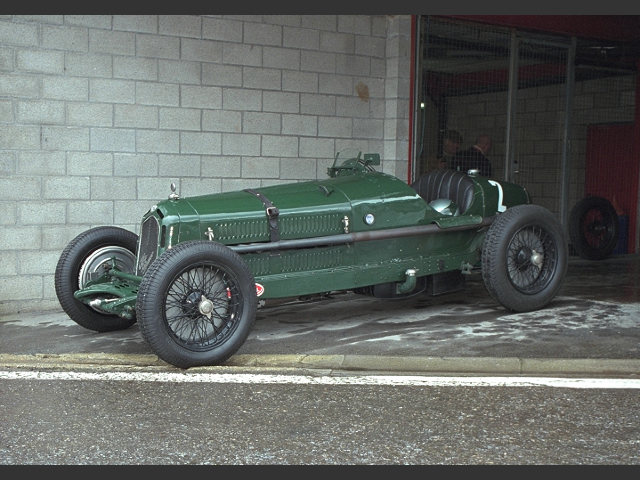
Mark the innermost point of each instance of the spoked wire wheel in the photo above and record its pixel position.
(532, 256)
(196, 304)
(202, 305)
(524, 258)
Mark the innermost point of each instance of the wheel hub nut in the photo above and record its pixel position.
(205, 307)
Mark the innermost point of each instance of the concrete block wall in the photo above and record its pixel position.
(99, 114)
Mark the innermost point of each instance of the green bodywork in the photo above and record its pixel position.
(357, 228)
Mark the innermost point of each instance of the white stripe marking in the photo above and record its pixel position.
(402, 380)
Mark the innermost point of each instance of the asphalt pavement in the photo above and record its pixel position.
(592, 327)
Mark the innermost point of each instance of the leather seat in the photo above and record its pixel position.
(444, 183)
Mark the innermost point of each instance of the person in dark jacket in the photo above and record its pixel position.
(474, 157)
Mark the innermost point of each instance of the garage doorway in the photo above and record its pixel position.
(536, 95)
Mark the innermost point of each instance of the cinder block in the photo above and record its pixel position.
(284, 102)
(136, 116)
(371, 47)
(157, 46)
(205, 143)
(20, 237)
(24, 86)
(148, 93)
(283, 58)
(90, 163)
(89, 65)
(179, 166)
(38, 213)
(320, 22)
(304, 125)
(18, 34)
(337, 42)
(224, 121)
(43, 61)
(113, 42)
(222, 75)
(128, 213)
(356, 24)
(240, 144)
(180, 25)
(334, 127)
(368, 128)
(222, 29)
(316, 147)
(303, 38)
(154, 188)
(260, 167)
(93, 211)
(109, 188)
(200, 97)
(201, 50)
(178, 71)
(135, 164)
(200, 186)
(136, 23)
(279, 146)
(38, 262)
(260, 122)
(19, 137)
(262, 78)
(135, 68)
(65, 88)
(312, 61)
(335, 84)
(95, 21)
(300, 81)
(157, 141)
(262, 34)
(318, 104)
(113, 139)
(112, 90)
(180, 118)
(241, 54)
(40, 163)
(242, 99)
(220, 166)
(20, 287)
(297, 168)
(90, 114)
(69, 188)
(65, 38)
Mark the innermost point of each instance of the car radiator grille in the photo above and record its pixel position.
(147, 245)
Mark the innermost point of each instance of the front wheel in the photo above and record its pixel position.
(84, 259)
(524, 258)
(196, 304)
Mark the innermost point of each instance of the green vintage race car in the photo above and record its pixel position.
(202, 265)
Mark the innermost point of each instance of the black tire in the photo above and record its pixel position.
(524, 258)
(593, 228)
(196, 304)
(85, 254)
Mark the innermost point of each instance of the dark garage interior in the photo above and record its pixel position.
(557, 95)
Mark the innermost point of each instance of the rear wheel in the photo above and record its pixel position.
(85, 258)
(196, 304)
(524, 258)
(593, 228)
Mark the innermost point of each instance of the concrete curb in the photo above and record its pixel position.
(423, 365)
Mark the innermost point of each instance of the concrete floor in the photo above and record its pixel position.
(596, 316)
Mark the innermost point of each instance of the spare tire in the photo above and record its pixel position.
(593, 228)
